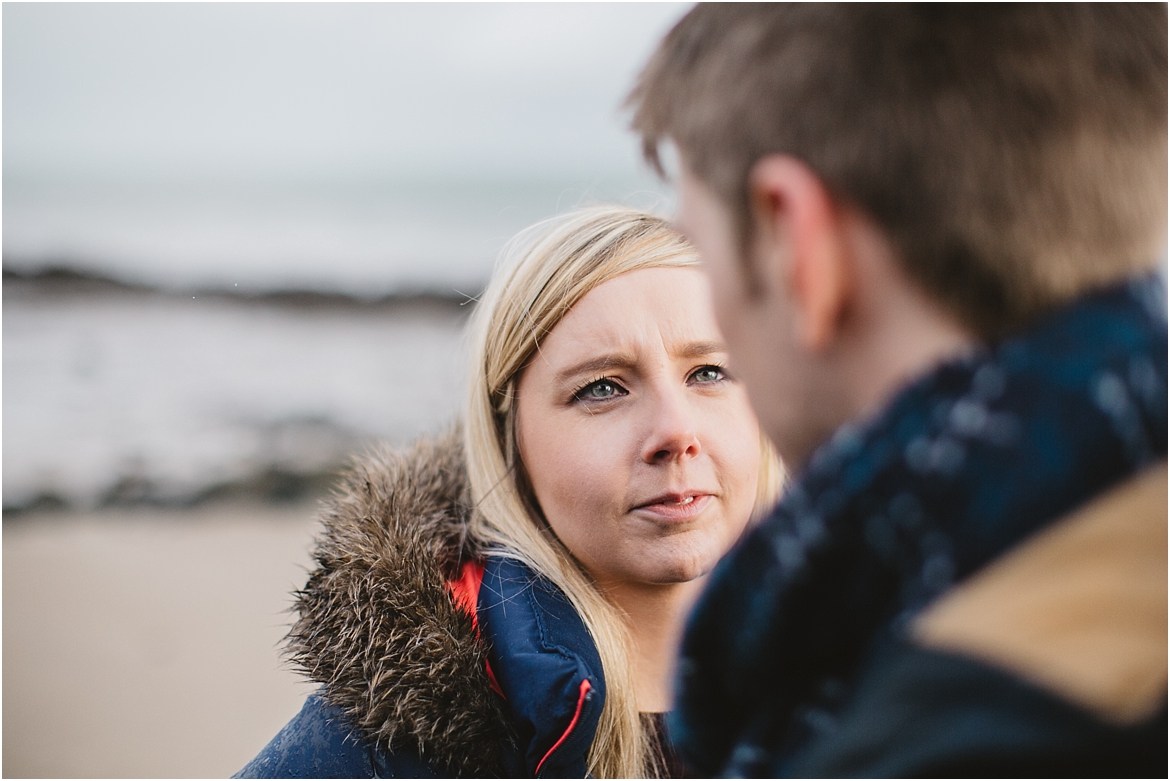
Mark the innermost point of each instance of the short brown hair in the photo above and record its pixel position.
(1015, 155)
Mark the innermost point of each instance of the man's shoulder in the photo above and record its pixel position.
(1079, 609)
(1050, 660)
(922, 712)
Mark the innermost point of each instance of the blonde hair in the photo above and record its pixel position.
(544, 272)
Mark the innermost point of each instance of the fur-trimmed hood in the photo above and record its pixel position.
(376, 625)
(513, 686)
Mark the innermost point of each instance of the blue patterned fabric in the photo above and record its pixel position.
(959, 467)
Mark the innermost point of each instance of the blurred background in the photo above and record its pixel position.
(240, 242)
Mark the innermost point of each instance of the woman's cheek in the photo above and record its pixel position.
(739, 451)
(573, 477)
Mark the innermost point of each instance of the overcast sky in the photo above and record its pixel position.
(308, 90)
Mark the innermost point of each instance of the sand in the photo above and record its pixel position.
(144, 642)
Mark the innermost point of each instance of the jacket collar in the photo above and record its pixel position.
(547, 666)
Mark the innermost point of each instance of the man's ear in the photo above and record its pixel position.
(801, 246)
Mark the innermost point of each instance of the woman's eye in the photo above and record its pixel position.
(708, 374)
(598, 391)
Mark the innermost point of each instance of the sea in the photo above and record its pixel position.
(175, 343)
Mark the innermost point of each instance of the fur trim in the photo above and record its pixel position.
(377, 626)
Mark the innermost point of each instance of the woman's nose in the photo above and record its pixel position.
(674, 433)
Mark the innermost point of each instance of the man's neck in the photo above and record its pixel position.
(914, 341)
(896, 331)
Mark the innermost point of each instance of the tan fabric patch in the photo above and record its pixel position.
(1079, 608)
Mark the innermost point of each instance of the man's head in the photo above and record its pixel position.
(1002, 159)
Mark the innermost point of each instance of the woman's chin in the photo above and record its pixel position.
(681, 569)
(673, 560)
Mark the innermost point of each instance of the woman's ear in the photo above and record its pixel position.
(800, 248)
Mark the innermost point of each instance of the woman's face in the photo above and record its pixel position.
(641, 449)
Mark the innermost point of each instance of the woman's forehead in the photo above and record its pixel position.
(661, 309)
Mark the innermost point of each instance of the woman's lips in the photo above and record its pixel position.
(676, 507)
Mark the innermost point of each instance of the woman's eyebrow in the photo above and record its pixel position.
(623, 360)
(598, 363)
(700, 349)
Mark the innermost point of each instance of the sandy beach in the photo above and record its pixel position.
(144, 642)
